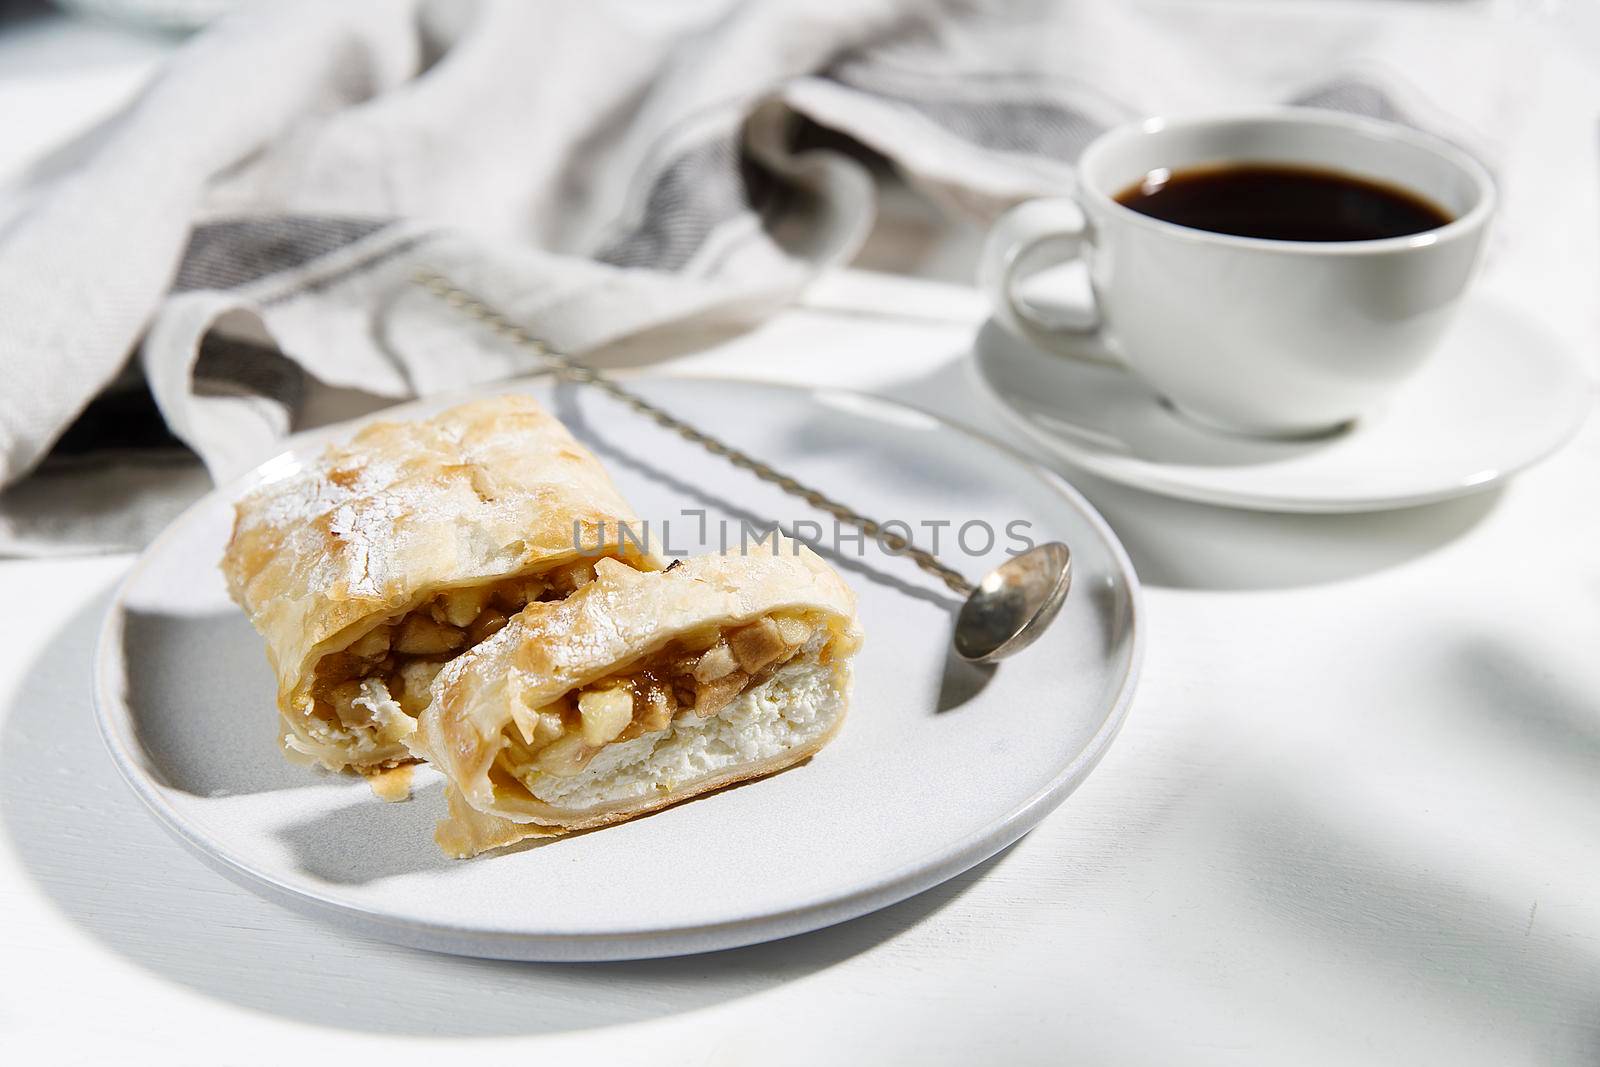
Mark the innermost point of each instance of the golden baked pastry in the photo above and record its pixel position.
(638, 691)
(369, 569)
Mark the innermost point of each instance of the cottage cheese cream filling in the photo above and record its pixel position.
(798, 705)
(640, 690)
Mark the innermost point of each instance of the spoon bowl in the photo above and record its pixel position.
(1014, 603)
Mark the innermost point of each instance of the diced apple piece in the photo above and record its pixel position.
(486, 625)
(566, 757)
(793, 631)
(606, 713)
(529, 590)
(461, 606)
(712, 697)
(421, 636)
(660, 705)
(757, 645)
(572, 577)
(716, 662)
(372, 645)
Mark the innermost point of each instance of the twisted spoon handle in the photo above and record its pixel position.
(576, 370)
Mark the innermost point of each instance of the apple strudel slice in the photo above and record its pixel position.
(369, 569)
(638, 691)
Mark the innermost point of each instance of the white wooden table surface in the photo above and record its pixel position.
(1354, 817)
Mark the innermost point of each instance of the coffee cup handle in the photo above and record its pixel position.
(1034, 236)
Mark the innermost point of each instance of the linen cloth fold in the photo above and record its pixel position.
(250, 225)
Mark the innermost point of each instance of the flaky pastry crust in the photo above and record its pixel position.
(605, 630)
(483, 492)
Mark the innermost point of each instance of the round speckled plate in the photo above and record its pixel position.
(938, 767)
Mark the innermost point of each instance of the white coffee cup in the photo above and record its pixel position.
(1258, 336)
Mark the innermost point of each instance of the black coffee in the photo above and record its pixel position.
(1282, 203)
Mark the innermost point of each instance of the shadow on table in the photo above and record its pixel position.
(1183, 545)
(93, 850)
(1513, 691)
(1424, 923)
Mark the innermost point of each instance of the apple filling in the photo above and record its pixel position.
(389, 668)
(698, 675)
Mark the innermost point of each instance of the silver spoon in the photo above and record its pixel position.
(1014, 603)
(1003, 614)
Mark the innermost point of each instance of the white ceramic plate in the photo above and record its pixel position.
(1500, 394)
(938, 767)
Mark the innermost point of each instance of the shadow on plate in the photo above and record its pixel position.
(397, 839)
(1184, 545)
(94, 851)
(232, 750)
(962, 681)
(399, 836)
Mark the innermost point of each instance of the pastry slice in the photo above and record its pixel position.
(638, 691)
(366, 571)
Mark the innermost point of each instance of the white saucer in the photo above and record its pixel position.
(939, 766)
(1501, 394)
